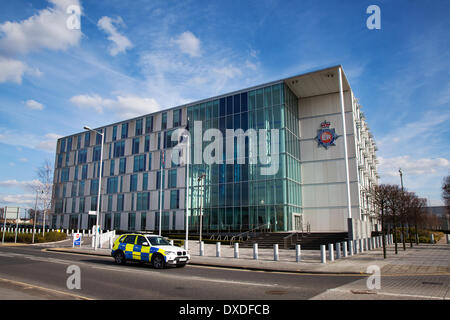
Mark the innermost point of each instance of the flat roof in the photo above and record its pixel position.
(317, 82)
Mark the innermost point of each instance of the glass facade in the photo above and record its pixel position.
(236, 193)
(237, 196)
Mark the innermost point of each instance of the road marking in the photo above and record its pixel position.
(28, 286)
(395, 294)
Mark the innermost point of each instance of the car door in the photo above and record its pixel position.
(129, 242)
(140, 251)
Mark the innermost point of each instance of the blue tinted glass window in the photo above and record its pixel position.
(124, 133)
(237, 103)
(244, 102)
(138, 130)
(229, 105)
(133, 182)
(222, 108)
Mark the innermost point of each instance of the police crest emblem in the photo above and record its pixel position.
(326, 136)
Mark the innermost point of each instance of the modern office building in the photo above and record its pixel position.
(278, 155)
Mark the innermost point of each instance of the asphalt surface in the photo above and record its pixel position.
(32, 273)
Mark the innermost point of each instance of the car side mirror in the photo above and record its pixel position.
(145, 244)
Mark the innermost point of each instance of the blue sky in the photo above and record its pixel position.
(136, 57)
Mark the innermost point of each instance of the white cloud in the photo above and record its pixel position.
(412, 167)
(188, 43)
(20, 184)
(47, 29)
(32, 141)
(120, 43)
(34, 105)
(26, 199)
(124, 106)
(11, 70)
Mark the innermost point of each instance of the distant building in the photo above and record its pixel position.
(442, 214)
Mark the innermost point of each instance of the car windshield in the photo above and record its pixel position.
(158, 241)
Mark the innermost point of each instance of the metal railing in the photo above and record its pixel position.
(240, 237)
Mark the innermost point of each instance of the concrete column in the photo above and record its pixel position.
(236, 250)
(355, 247)
(323, 255)
(432, 238)
(344, 249)
(338, 250)
(361, 245)
(369, 244)
(217, 249)
(351, 251)
(331, 252)
(298, 253)
(275, 252)
(255, 251)
(447, 236)
(202, 249)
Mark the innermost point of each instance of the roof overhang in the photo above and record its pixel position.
(317, 83)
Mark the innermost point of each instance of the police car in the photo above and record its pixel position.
(148, 248)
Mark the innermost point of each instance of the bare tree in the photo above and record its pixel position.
(45, 176)
(446, 194)
(380, 195)
(395, 206)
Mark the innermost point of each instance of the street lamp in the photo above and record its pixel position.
(201, 202)
(99, 186)
(188, 159)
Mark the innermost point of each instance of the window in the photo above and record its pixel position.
(148, 124)
(139, 163)
(112, 166)
(94, 187)
(143, 222)
(145, 181)
(133, 182)
(81, 188)
(111, 185)
(82, 156)
(65, 175)
(87, 139)
(98, 137)
(81, 206)
(147, 144)
(110, 198)
(174, 199)
(177, 118)
(138, 130)
(131, 224)
(96, 153)
(129, 239)
(142, 201)
(141, 239)
(124, 133)
(135, 148)
(164, 121)
(119, 202)
(114, 133)
(93, 203)
(172, 178)
(122, 165)
(69, 144)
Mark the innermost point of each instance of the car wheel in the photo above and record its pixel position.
(158, 261)
(119, 258)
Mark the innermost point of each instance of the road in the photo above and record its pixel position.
(32, 273)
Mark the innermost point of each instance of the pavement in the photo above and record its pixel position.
(425, 259)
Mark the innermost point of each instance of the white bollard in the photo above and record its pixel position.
(432, 238)
(323, 256)
(298, 253)
(361, 246)
(275, 252)
(331, 252)
(344, 249)
(236, 250)
(255, 251)
(351, 251)
(355, 246)
(202, 249)
(338, 250)
(217, 249)
(448, 238)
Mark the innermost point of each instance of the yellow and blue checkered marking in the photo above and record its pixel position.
(137, 252)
